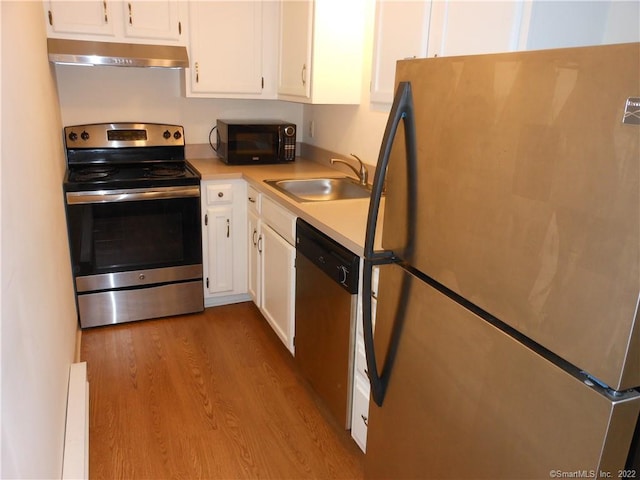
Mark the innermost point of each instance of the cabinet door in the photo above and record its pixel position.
(73, 17)
(592, 23)
(152, 19)
(278, 284)
(226, 47)
(296, 23)
(360, 412)
(401, 31)
(467, 27)
(255, 257)
(219, 271)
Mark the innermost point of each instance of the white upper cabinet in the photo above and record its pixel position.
(152, 19)
(296, 21)
(134, 21)
(232, 49)
(474, 27)
(401, 31)
(321, 45)
(579, 23)
(468, 27)
(67, 19)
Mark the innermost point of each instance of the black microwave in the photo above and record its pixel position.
(243, 142)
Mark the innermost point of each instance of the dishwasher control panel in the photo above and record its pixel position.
(339, 263)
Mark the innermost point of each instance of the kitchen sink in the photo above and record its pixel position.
(321, 189)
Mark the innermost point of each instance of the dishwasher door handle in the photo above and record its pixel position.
(343, 274)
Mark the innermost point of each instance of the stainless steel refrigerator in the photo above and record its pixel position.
(507, 337)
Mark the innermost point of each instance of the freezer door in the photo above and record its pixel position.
(527, 196)
(466, 400)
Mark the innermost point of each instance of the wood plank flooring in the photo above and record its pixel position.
(211, 395)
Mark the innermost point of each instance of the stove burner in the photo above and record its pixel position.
(94, 173)
(164, 171)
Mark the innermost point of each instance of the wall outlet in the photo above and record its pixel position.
(312, 128)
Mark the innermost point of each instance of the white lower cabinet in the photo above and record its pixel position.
(278, 284)
(255, 246)
(360, 412)
(218, 221)
(271, 271)
(361, 389)
(224, 236)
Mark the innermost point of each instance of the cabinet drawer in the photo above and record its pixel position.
(375, 276)
(360, 413)
(254, 200)
(219, 193)
(281, 220)
(361, 358)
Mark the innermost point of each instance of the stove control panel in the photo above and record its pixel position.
(119, 135)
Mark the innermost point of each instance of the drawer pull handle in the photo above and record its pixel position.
(365, 420)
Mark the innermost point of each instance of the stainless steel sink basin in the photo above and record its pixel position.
(320, 189)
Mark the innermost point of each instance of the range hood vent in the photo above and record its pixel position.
(76, 52)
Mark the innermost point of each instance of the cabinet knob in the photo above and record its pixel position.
(220, 194)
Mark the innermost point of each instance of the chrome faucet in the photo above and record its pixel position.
(362, 174)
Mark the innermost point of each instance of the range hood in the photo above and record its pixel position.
(76, 52)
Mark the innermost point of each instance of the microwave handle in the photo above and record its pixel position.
(280, 142)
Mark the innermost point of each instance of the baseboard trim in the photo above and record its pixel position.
(77, 354)
(75, 463)
(226, 300)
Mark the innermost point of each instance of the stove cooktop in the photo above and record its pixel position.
(97, 177)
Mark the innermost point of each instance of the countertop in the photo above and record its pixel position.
(343, 220)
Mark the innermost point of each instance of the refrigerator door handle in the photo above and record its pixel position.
(401, 110)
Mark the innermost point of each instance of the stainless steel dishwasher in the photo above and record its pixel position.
(326, 300)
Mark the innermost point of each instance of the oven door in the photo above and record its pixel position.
(135, 253)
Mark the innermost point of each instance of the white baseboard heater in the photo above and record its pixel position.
(75, 463)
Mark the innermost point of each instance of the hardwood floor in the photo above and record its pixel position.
(211, 395)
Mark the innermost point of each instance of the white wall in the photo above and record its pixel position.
(125, 94)
(38, 310)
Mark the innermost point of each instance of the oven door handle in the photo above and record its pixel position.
(131, 194)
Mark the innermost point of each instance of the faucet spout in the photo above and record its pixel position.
(360, 172)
